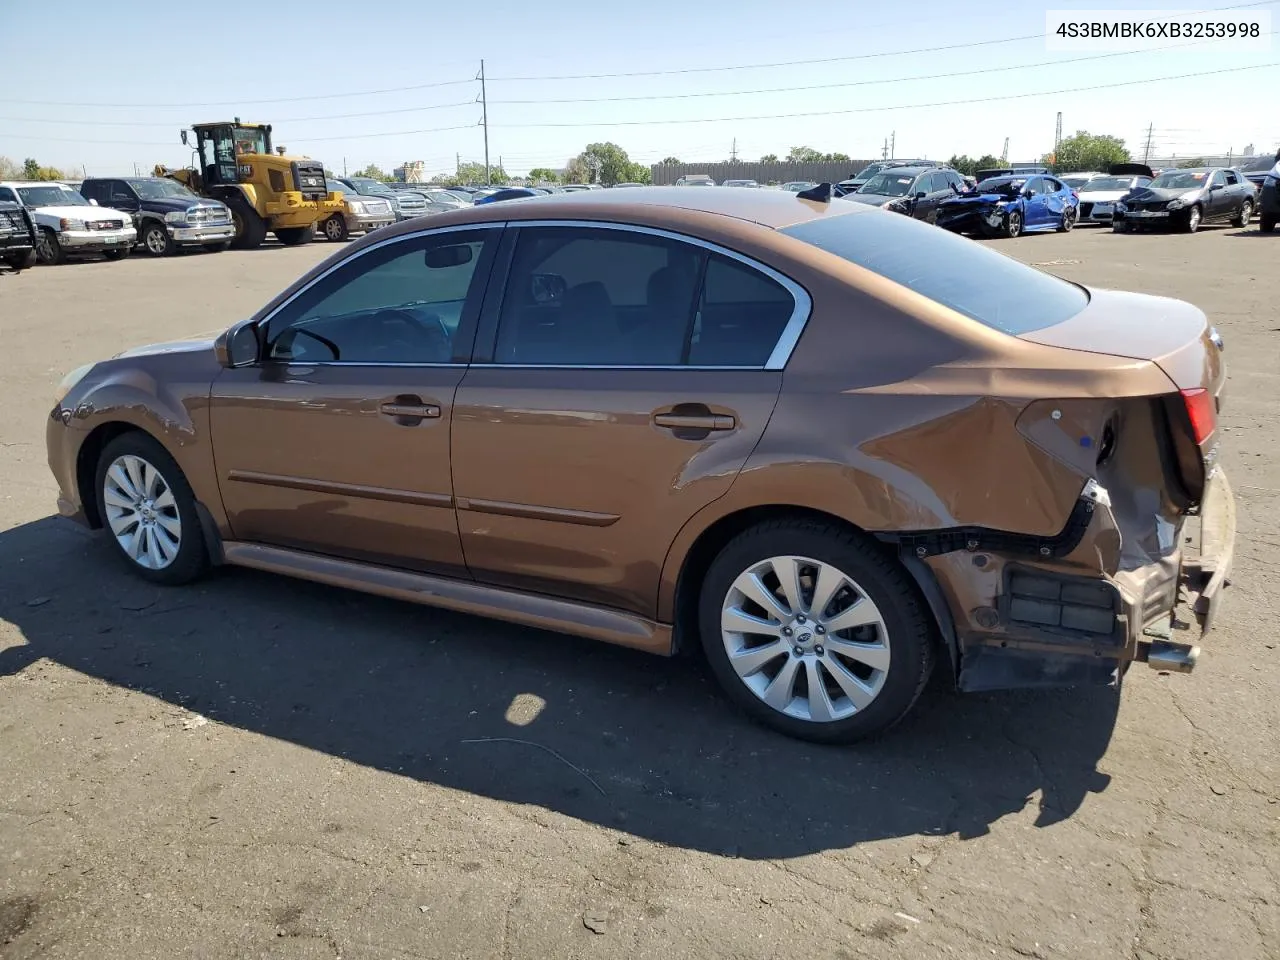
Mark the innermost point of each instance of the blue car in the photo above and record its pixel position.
(1008, 206)
(509, 193)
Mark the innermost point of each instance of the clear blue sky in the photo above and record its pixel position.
(138, 72)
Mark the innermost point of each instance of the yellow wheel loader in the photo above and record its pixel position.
(267, 192)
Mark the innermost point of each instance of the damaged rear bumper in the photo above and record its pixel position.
(1044, 618)
(1208, 552)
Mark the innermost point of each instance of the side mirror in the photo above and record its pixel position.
(239, 346)
(920, 194)
(93, 202)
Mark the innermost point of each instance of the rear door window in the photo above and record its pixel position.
(741, 316)
(954, 271)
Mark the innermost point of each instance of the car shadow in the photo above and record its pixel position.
(1254, 232)
(606, 735)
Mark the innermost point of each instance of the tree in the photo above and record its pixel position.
(670, 160)
(962, 164)
(803, 155)
(9, 170)
(769, 158)
(1087, 151)
(836, 157)
(544, 175)
(374, 172)
(1191, 164)
(605, 163)
(30, 169)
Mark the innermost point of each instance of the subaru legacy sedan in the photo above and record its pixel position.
(826, 446)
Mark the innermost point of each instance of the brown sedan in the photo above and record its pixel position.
(828, 446)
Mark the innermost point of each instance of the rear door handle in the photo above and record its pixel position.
(685, 421)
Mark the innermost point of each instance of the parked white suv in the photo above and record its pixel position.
(66, 223)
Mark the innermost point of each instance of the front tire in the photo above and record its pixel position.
(149, 511)
(48, 249)
(814, 631)
(1119, 226)
(295, 236)
(251, 229)
(1245, 214)
(1013, 225)
(117, 254)
(21, 261)
(1266, 222)
(335, 228)
(1193, 219)
(157, 240)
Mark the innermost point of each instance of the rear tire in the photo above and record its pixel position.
(157, 240)
(251, 229)
(1245, 214)
(871, 673)
(149, 511)
(1068, 220)
(295, 236)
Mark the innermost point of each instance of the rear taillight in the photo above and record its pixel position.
(1201, 412)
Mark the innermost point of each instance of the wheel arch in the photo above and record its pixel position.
(88, 457)
(682, 602)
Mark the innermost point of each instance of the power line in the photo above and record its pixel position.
(899, 106)
(782, 63)
(332, 116)
(223, 103)
(845, 59)
(854, 83)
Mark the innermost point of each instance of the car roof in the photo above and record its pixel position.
(899, 171)
(774, 209)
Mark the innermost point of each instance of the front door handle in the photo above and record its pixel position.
(694, 421)
(409, 410)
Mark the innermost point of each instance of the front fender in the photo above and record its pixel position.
(171, 408)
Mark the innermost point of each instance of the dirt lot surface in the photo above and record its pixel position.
(256, 767)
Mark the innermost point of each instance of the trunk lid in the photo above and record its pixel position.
(1171, 333)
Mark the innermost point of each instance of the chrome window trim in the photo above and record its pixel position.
(265, 321)
(782, 350)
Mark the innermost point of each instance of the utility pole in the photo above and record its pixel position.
(484, 122)
(893, 144)
(1057, 137)
(884, 151)
(457, 164)
(733, 154)
(344, 166)
(1146, 154)
(1004, 157)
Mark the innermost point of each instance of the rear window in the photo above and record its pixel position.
(962, 274)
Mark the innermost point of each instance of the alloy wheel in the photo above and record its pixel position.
(141, 512)
(1193, 220)
(805, 638)
(156, 241)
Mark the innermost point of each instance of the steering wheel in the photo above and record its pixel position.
(431, 327)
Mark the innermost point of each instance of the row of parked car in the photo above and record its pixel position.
(47, 222)
(1011, 201)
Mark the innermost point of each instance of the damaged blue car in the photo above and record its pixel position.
(1008, 206)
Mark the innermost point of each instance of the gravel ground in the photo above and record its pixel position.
(256, 767)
